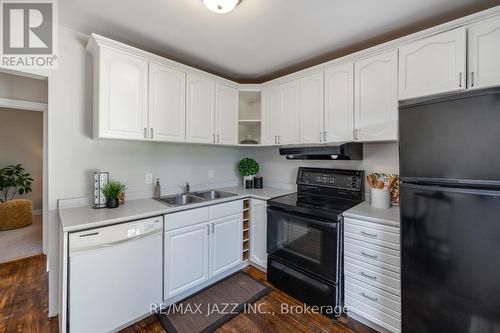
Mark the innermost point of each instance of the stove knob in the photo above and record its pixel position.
(353, 185)
(354, 178)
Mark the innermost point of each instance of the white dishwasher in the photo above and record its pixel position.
(115, 273)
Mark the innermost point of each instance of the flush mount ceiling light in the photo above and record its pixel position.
(221, 6)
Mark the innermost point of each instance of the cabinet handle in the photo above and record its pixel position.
(208, 229)
(368, 234)
(369, 255)
(472, 79)
(324, 136)
(368, 276)
(218, 140)
(356, 134)
(213, 228)
(374, 299)
(151, 134)
(145, 133)
(275, 139)
(213, 138)
(320, 136)
(460, 80)
(279, 139)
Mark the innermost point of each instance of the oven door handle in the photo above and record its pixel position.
(309, 219)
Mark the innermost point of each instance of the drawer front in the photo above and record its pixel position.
(186, 218)
(375, 276)
(371, 235)
(376, 298)
(372, 254)
(380, 318)
(372, 225)
(226, 209)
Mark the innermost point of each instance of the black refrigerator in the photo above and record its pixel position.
(450, 214)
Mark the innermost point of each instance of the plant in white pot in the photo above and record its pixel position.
(248, 168)
(15, 213)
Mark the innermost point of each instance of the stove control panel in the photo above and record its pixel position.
(333, 180)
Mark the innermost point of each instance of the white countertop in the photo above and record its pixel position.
(81, 218)
(366, 212)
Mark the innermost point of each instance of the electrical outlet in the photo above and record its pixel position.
(149, 178)
(211, 174)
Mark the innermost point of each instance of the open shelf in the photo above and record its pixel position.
(246, 228)
(249, 111)
(249, 120)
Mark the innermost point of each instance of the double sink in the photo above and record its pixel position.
(178, 200)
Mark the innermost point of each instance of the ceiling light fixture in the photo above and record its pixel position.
(221, 6)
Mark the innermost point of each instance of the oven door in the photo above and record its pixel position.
(309, 243)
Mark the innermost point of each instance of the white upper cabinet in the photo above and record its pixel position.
(121, 105)
(376, 98)
(311, 106)
(167, 104)
(339, 103)
(288, 113)
(433, 65)
(226, 115)
(200, 110)
(270, 106)
(484, 54)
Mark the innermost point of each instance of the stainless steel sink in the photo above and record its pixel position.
(181, 199)
(213, 194)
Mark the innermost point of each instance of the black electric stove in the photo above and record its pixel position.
(305, 234)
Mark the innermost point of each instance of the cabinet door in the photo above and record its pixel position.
(270, 105)
(167, 104)
(226, 115)
(376, 104)
(311, 108)
(339, 103)
(433, 65)
(200, 110)
(226, 243)
(186, 258)
(123, 96)
(288, 113)
(484, 54)
(258, 232)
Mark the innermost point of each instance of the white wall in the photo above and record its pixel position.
(280, 172)
(74, 155)
(21, 141)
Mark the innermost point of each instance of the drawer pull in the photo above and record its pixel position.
(368, 276)
(374, 299)
(369, 255)
(369, 235)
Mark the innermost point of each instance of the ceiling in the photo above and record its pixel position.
(260, 39)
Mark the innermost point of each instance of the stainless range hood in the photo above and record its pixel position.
(335, 151)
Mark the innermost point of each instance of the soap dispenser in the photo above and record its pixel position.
(157, 189)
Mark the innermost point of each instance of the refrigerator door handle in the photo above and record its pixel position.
(447, 188)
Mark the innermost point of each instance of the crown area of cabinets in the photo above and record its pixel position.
(142, 96)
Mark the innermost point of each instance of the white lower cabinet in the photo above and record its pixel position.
(372, 273)
(258, 232)
(200, 244)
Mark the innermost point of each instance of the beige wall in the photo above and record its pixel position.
(21, 141)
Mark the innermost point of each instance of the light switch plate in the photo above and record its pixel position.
(149, 178)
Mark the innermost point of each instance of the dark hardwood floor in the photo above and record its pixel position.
(24, 299)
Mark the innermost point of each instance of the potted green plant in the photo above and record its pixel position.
(248, 168)
(112, 192)
(15, 213)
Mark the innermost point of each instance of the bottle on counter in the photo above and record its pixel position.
(157, 189)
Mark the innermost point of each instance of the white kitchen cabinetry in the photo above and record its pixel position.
(339, 103)
(120, 96)
(258, 232)
(167, 104)
(186, 258)
(311, 108)
(200, 110)
(376, 98)
(226, 243)
(433, 65)
(484, 54)
(288, 113)
(201, 244)
(270, 106)
(226, 115)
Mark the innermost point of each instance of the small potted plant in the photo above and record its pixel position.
(112, 192)
(248, 168)
(15, 213)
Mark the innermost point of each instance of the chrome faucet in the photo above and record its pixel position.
(187, 188)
